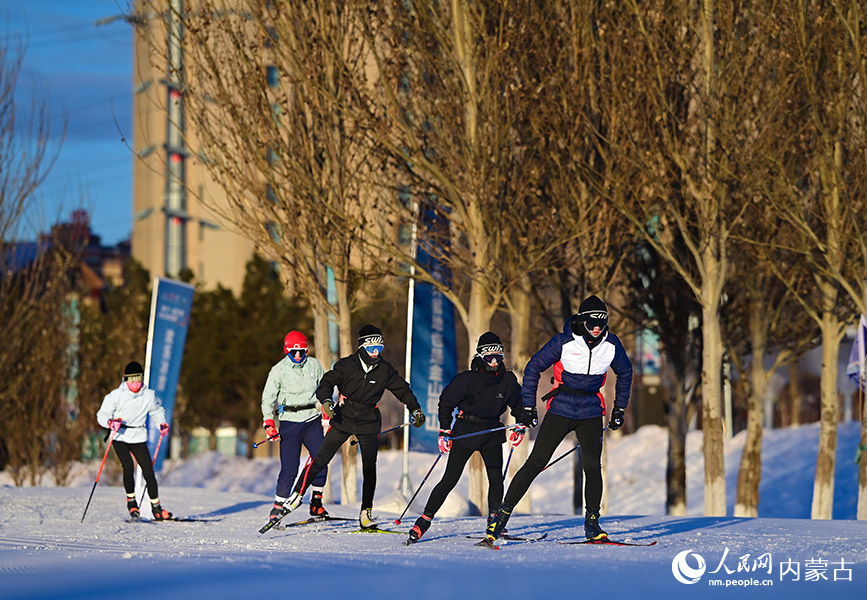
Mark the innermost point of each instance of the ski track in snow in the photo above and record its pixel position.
(45, 552)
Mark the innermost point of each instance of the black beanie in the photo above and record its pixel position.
(131, 369)
(369, 334)
(489, 342)
(592, 313)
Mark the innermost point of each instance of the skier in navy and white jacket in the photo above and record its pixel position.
(585, 350)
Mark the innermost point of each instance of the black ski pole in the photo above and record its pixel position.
(93, 489)
(353, 442)
(429, 471)
(508, 460)
(551, 464)
(556, 460)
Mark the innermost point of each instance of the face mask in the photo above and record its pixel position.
(134, 386)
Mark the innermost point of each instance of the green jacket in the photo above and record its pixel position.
(290, 390)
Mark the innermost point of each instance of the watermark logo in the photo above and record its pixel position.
(685, 573)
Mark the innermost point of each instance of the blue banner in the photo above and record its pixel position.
(170, 317)
(434, 352)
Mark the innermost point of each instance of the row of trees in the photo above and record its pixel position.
(717, 146)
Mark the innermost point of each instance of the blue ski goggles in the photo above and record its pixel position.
(374, 349)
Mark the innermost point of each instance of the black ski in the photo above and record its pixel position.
(608, 542)
(272, 522)
(312, 520)
(515, 538)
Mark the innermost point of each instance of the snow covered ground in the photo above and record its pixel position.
(45, 552)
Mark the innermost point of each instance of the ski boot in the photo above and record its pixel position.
(160, 514)
(497, 523)
(276, 511)
(422, 524)
(316, 508)
(592, 531)
(491, 518)
(132, 507)
(365, 519)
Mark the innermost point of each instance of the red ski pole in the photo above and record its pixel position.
(93, 489)
(267, 439)
(157, 451)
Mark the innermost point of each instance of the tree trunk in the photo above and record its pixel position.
(750, 473)
(711, 390)
(796, 393)
(823, 486)
(675, 471)
(349, 483)
(479, 322)
(520, 353)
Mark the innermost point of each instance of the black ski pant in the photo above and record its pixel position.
(125, 452)
(458, 457)
(334, 439)
(552, 431)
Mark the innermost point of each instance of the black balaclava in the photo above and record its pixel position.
(367, 335)
(592, 313)
(490, 344)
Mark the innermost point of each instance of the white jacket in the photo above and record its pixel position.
(134, 409)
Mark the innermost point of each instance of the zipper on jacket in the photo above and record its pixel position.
(589, 359)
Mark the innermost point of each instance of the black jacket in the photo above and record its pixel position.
(481, 397)
(359, 413)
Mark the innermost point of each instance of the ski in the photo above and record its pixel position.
(515, 538)
(310, 521)
(608, 542)
(376, 530)
(272, 522)
(487, 543)
(177, 519)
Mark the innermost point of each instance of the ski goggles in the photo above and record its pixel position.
(137, 377)
(373, 349)
(490, 357)
(297, 355)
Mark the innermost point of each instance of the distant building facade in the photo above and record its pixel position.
(174, 225)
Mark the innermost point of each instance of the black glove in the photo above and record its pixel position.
(417, 418)
(529, 417)
(616, 421)
(328, 408)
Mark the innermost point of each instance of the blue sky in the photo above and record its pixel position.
(84, 73)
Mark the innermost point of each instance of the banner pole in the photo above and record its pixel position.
(405, 484)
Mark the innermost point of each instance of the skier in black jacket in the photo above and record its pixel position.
(360, 378)
(481, 395)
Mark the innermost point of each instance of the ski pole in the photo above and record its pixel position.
(157, 451)
(267, 439)
(93, 489)
(551, 464)
(353, 442)
(466, 435)
(429, 471)
(508, 460)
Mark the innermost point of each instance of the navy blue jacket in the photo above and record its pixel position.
(584, 371)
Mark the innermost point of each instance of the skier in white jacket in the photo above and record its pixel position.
(125, 411)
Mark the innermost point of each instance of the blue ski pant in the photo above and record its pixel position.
(292, 435)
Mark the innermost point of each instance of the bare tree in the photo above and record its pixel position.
(821, 185)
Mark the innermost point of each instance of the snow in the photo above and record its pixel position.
(45, 552)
